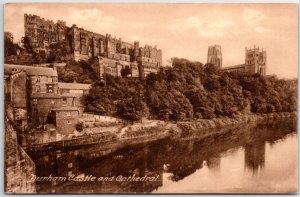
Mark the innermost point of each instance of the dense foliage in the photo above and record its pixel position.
(9, 47)
(191, 90)
(57, 52)
(80, 72)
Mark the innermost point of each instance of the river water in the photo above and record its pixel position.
(247, 159)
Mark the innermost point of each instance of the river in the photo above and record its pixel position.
(247, 159)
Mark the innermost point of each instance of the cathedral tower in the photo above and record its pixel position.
(214, 55)
(256, 60)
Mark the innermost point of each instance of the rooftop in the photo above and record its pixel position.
(71, 95)
(45, 95)
(233, 67)
(74, 86)
(31, 70)
(66, 109)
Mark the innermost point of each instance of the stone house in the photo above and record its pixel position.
(37, 90)
(72, 93)
(64, 119)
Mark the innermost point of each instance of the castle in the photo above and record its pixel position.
(113, 54)
(255, 60)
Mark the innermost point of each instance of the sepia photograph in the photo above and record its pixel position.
(150, 98)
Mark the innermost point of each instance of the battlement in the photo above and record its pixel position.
(254, 49)
(30, 15)
(85, 44)
(32, 18)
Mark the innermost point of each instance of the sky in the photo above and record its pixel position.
(182, 30)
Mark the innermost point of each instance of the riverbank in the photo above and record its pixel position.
(201, 126)
(153, 130)
(204, 127)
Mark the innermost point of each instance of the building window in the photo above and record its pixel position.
(70, 165)
(38, 88)
(35, 101)
(50, 88)
(64, 101)
(68, 113)
(69, 122)
(261, 71)
(38, 79)
(83, 42)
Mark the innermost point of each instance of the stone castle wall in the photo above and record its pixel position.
(83, 44)
(43, 32)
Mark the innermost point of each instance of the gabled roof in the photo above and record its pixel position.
(31, 70)
(74, 86)
(72, 95)
(45, 95)
(233, 67)
(65, 109)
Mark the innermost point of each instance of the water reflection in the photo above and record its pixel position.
(214, 163)
(255, 156)
(177, 163)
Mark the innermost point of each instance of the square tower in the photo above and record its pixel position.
(214, 55)
(255, 60)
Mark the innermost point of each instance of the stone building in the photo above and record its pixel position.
(255, 62)
(36, 89)
(72, 93)
(43, 32)
(14, 88)
(113, 54)
(214, 55)
(65, 119)
(25, 81)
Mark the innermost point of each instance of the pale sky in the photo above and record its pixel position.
(182, 30)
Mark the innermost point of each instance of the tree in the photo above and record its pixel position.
(132, 110)
(79, 126)
(9, 47)
(27, 44)
(58, 52)
(125, 72)
(188, 90)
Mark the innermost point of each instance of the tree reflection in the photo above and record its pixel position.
(255, 156)
(182, 156)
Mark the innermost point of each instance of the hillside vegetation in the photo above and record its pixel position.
(190, 90)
